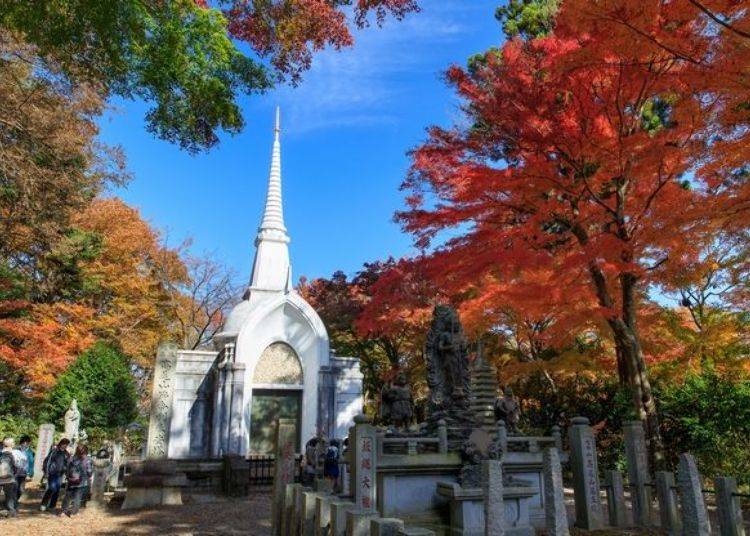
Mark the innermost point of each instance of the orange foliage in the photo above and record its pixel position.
(132, 304)
(43, 339)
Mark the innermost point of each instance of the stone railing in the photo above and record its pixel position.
(531, 444)
(411, 446)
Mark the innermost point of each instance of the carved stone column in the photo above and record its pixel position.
(161, 402)
(237, 391)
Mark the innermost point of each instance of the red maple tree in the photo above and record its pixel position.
(578, 159)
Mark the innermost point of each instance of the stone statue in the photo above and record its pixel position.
(72, 421)
(508, 411)
(448, 369)
(397, 405)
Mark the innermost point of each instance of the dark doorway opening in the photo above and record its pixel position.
(269, 405)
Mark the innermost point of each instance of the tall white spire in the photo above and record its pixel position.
(271, 269)
(272, 224)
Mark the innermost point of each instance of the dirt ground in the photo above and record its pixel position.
(198, 516)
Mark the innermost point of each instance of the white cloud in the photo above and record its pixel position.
(357, 86)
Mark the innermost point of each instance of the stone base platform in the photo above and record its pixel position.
(154, 483)
(467, 509)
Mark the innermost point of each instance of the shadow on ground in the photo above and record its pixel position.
(199, 516)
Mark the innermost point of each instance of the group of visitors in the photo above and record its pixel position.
(16, 465)
(58, 468)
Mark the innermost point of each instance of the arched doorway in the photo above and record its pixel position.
(276, 394)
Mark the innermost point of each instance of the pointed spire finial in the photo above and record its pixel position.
(272, 225)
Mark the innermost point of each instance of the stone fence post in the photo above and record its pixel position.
(286, 437)
(639, 477)
(616, 499)
(694, 514)
(364, 469)
(667, 497)
(555, 514)
(583, 461)
(728, 506)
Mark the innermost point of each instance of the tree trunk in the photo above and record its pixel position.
(631, 366)
(629, 352)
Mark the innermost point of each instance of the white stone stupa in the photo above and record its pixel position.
(272, 360)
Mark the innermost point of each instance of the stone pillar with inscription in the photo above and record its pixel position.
(363, 475)
(583, 461)
(639, 477)
(161, 402)
(43, 445)
(286, 437)
(156, 481)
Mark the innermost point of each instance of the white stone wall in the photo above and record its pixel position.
(190, 426)
(348, 396)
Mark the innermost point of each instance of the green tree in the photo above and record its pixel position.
(175, 55)
(100, 381)
(528, 18)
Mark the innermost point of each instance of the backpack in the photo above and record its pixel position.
(332, 454)
(56, 462)
(22, 463)
(75, 473)
(7, 467)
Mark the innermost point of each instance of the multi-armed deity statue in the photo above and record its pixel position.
(448, 371)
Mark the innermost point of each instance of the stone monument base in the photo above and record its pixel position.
(467, 509)
(154, 483)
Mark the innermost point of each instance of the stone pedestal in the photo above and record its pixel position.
(154, 483)
(467, 509)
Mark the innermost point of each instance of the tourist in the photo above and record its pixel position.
(54, 467)
(22, 465)
(8, 472)
(88, 464)
(78, 474)
(331, 464)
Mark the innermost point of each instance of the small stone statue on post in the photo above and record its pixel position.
(397, 404)
(102, 467)
(508, 411)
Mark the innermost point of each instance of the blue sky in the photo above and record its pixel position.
(345, 133)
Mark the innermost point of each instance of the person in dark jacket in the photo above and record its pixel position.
(8, 470)
(54, 467)
(78, 474)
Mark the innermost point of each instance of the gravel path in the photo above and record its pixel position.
(196, 517)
